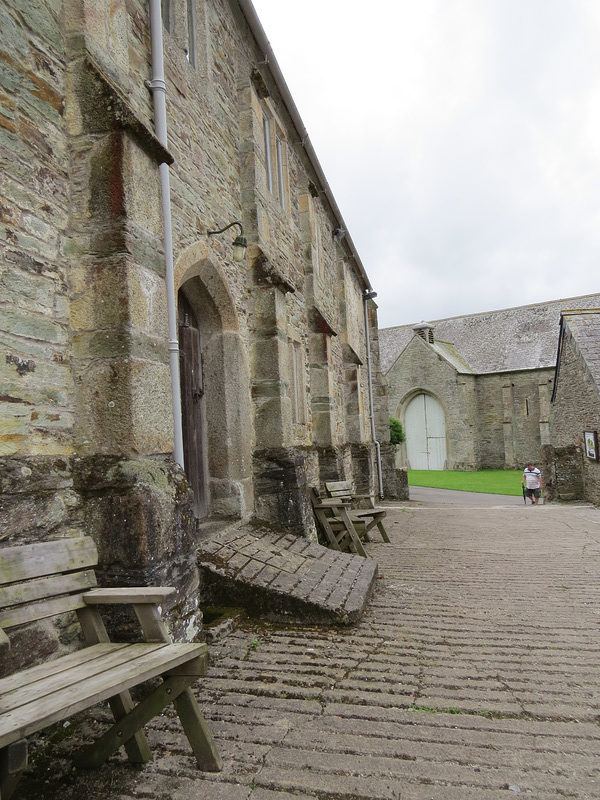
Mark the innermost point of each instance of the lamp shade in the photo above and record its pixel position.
(239, 248)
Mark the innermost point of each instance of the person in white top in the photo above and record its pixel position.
(532, 480)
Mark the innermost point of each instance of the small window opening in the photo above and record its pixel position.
(190, 52)
(279, 153)
(318, 251)
(269, 167)
(297, 392)
(295, 388)
(165, 8)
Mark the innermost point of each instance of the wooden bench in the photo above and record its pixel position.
(44, 580)
(371, 517)
(335, 523)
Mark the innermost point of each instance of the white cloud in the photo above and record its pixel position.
(461, 141)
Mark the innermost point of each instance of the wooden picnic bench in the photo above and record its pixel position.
(370, 517)
(43, 580)
(335, 523)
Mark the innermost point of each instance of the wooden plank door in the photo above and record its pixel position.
(436, 433)
(193, 407)
(416, 433)
(425, 433)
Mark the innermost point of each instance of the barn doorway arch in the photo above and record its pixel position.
(425, 426)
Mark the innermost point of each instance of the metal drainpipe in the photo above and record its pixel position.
(369, 295)
(158, 88)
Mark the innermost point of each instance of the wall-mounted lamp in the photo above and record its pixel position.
(239, 243)
(339, 234)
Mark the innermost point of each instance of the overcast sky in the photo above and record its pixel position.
(461, 140)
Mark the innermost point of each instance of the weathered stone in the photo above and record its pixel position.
(38, 640)
(492, 374)
(89, 353)
(402, 484)
(139, 513)
(37, 500)
(281, 489)
(575, 410)
(303, 579)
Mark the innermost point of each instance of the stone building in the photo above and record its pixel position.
(277, 354)
(570, 464)
(474, 392)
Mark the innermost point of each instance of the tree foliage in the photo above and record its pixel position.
(397, 435)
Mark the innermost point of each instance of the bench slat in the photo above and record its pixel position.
(17, 593)
(366, 517)
(79, 690)
(345, 486)
(19, 615)
(46, 558)
(84, 669)
(62, 664)
(129, 594)
(48, 579)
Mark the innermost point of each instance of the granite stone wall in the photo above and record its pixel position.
(575, 409)
(421, 369)
(493, 421)
(513, 414)
(86, 418)
(37, 387)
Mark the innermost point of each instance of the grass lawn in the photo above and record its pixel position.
(490, 481)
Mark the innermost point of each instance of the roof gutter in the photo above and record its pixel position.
(558, 354)
(261, 39)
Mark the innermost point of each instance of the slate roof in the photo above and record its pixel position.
(451, 354)
(525, 337)
(584, 326)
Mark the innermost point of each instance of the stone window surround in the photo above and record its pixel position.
(297, 380)
(180, 22)
(275, 156)
(191, 52)
(165, 6)
(312, 237)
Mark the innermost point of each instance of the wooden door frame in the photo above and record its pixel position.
(193, 406)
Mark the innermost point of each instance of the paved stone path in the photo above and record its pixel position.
(473, 675)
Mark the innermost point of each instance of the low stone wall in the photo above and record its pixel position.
(562, 473)
(38, 500)
(401, 484)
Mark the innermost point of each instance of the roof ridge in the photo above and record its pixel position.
(494, 311)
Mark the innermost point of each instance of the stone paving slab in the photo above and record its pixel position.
(279, 574)
(471, 675)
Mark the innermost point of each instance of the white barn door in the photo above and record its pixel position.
(425, 428)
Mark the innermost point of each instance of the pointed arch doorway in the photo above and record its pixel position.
(193, 406)
(215, 387)
(425, 426)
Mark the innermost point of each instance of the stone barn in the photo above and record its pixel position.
(570, 463)
(474, 392)
(182, 304)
